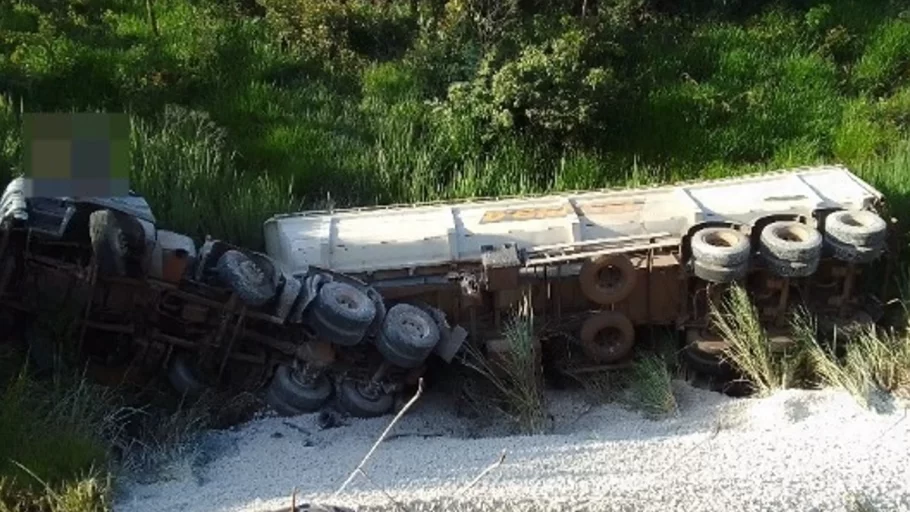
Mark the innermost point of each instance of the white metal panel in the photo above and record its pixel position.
(368, 239)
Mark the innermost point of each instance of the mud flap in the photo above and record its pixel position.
(309, 290)
(451, 339)
(287, 297)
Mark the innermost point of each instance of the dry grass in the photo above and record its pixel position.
(874, 363)
(515, 375)
(750, 348)
(737, 322)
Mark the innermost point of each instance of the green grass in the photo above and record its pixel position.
(875, 364)
(55, 445)
(237, 118)
(514, 375)
(67, 440)
(651, 387)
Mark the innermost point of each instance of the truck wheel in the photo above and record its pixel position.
(305, 397)
(248, 280)
(408, 336)
(856, 228)
(115, 237)
(791, 241)
(342, 313)
(608, 336)
(608, 279)
(184, 378)
(852, 253)
(703, 354)
(280, 406)
(722, 247)
(359, 401)
(719, 274)
(794, 269)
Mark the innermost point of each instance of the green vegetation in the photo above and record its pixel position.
(514, 373)
(64, 439)
(651, 385)
(875, 362)
(242, 109)
(257, 108)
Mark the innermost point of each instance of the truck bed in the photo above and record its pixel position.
(410, 236)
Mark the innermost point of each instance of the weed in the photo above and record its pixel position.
(748, 348)
(873, 363)
(651, 386)
(515, 373)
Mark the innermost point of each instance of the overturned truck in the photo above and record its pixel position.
(354, 304)
(603, 267)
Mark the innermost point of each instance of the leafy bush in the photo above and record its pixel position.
(550, 88)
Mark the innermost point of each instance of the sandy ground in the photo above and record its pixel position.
(795, 451)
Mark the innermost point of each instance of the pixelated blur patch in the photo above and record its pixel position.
(76, 154)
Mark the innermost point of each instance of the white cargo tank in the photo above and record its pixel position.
(412, 236)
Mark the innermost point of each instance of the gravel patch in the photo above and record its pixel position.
(796, 450)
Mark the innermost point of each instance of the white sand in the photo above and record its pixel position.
(795, 451)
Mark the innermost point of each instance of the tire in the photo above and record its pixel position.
(342, 313)
(852, 253)
(856, 228)
(719, 274)
(303, 397)
(789, 268)
(248, 280)
(183, 377)
(722, 247)
(279, 405)
(701, 359)
(408, 336)
(620, 284)
(353, 401)
(115, 237)
(791, 241)
(618, 347)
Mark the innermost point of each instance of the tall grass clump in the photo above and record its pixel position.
(181, 163)
(749, 345)
(515, 374)
(54, 450)
(873, 363)
(651, 386)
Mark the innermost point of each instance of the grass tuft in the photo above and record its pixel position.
(737, 322)
(651, 386)
(874, 363)
(515, 375)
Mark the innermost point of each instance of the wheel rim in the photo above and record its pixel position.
(609, 340)
(370, 391)
(721, 239)
(251, 272)
(792, 234)
(414, 327)
(302, 378)
(347, 300)
(609, 277)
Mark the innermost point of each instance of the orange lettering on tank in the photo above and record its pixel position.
(523, 214)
